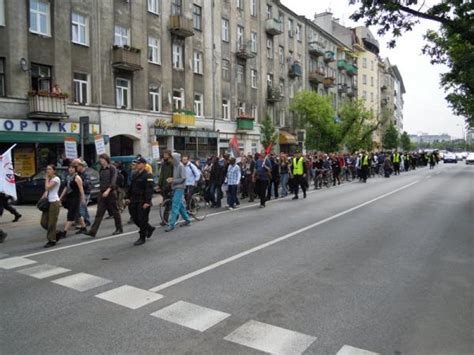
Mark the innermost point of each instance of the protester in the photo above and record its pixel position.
(299, 174)
(5, 205)
(49, 218)
(284, 175)
(262, 175)
(193, 175)
(166, 171)
(232, 180)
(86, 183)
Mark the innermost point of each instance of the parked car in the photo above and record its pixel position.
(470, 159)
(31, 189)
(450, 158)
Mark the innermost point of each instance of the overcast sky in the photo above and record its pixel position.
(425, 108)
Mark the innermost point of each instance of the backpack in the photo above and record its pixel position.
(120, 182)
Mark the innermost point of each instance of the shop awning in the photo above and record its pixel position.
(34, 137)
(287, 138)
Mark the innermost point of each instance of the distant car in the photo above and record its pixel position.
(460, 156)
(31, 189)
(450, 158)
(470, 159)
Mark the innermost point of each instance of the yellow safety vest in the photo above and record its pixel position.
(396, 158)
(298, 168)
(365, 160)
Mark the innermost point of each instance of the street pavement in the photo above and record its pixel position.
(377, 268)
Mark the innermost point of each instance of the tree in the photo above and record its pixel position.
(405, 142)
(316, 114)
(452, 45)
(390, 138)
(269, 132)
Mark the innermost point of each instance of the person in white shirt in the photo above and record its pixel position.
(193, 175)
(49, 218)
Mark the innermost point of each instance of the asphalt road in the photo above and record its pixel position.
(384, 267)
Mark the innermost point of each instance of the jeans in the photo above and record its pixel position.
(216, 188)
(84, 212)
(284, 184)
(232, 196)
(177, 207)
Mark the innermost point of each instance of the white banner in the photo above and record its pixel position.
(99, 144)
(7, 174)
(70, 148)
(156, 151)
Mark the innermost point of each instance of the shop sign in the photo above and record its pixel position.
(138, 127)
(99, 144)
(185, 133)
(70, 148)
(31, 126)
(24, 159)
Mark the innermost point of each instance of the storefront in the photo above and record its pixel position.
(197, 143)
(39, 143)
(288, 142)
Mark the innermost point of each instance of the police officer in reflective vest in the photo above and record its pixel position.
(364, 166)
(298, 172)
(139, 197)
(396, 163)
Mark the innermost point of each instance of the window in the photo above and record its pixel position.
(199, 105)
(122, 37)
(240, 74)
(197, 17)
(178, 100)
(299, 31)
(80, 32)
(290, 27)
(155, 98)
(282, 118)
(253, 7)
(371, 65)
(177, 56)
(364, 79)
(154, 50)
(2, 12)
(269, 12)
(241, 109)
(269, 79)
(254, 78)
(176, 8)
(240, 4)
(154, 6)
(364, 95)
(225, 30)
(281, 55)
(371, 97)
(122, 93)
(240, 37)
(253, 42)
(40, 77)
(364, 62)
(81, 88)
(292, 90)
(254, 111)
(269, 48)
(197, 62)
(225, 69)
(282, 87)
(3, 91)
(40, 17)
(225, 109)
(371, 81)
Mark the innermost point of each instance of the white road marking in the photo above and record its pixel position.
(274, 241)
(14, 262)
(270, 339)
(350, 350)
(191, 316)
(129, 296)
(81, 281)
(43, 271)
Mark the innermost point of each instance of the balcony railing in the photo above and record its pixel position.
(329, 56)
(342, 64)
(351, 69)
(183, 118)
(351, 91)
(45, 106)
(316, 49)
(245, 123)
(245, 52)
(181, 26)
(295, 70)
(329, 82)
(316, 77)
(126, 58)
(273, 27)
(273, 94)
(342, 88)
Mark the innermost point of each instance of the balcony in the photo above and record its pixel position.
(329, 82)
(351, 91)
(342, 64)
(244, 52)
(181, 26)
(295, 70)
(316, 77)
(273, 27)
(42, 105)
(183, 118)
(273, 94)
(329, 56)
(351, 69)
(245, 123)
(126, 58)
(316, 49)
(342, 88)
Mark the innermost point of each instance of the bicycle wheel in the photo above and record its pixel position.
(165, 209)
(198, 207)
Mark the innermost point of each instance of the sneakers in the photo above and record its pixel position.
(140, 241)
(187, 224)
(169, 229)
(81, 230)
(50, 244)
(150, 233)
(17, 218)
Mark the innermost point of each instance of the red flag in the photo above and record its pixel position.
(234, 147)
(269, 149)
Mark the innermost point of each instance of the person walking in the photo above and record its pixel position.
(396, 162)
(284, 174)
(262, 177)
(299, 174)
(87, 186)
(49, 218)
(216, 178)
(232, 180)
(122, 183)
(364, 167)
(193, 175)
(178, 183)
(107, 197)
(139, 200)
(387, 167)
(164, 188)
(5, 205)
(275, 179)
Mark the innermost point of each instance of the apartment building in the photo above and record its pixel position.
(398, 92)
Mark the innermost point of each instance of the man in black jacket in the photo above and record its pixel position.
(216, 178)
(166, 171)
(139, 196)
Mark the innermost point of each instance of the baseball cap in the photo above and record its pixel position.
(139, 160)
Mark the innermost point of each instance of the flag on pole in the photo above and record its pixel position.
(268, 150)
(7, 174)
(234, 147)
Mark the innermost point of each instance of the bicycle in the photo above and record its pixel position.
(197, 207)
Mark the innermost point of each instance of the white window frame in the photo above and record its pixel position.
(38, 14)
(178, 101)
(119, 93)
(178, 56)
(240, 36)
(364, 79)
(240, 74)
(79, 84)
(269, 80)
(254, 78)
(241, 109)
(299, 30)
(225, 109)
(155, 99)
(154, 48)
(225, 30)
(154, 6)
(254, 42)
(269, 11)
(282, 87)
(254, 111)
(364, 63)
(2, 12)
(225, 69)
(240, 4)
(197, 62)
(199, 105)
(121, 36)
(253, 7)
(269, 48)
(281, 55)
(282, 118)
(197, 18)
(79, 30)
(290, 27)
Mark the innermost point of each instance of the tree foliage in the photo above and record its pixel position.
(269, 132)
(357, 126)
(405, 142)
(390, 138)
(452, 45)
